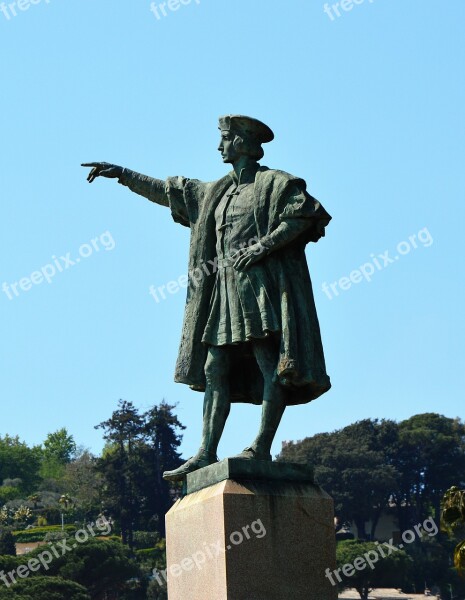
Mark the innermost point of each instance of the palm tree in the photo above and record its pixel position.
(35, 499)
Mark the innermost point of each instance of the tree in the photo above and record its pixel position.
(159, 453)
(362, 566)
(350, 464)
(59, 449)
(373, 464)
(431, 560)
(139, 448)
(60, 446)
(84, 483)
(429, 452)
(18, 461)
(120, 465)
(7, 543)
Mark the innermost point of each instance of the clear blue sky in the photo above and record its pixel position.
(368, 107)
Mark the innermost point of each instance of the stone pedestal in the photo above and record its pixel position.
(234, 537)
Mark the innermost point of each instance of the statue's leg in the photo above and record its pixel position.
(216, 405)
(216, 409)
(274, 404)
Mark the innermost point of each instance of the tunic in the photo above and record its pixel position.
(242, 305)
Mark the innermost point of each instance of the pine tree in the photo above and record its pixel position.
(120, 465)
(139, 448)
(162, 441)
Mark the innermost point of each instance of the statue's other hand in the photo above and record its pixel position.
(246, 257)
(102, 169)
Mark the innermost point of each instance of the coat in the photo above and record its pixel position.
(301, 366)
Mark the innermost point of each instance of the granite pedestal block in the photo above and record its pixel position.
(238, 536)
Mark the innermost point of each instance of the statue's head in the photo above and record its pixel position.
(242, 136)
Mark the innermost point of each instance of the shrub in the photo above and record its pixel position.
(8, 493)
(149, 558)
(37, 534)
(56, 536)
(48, 588)
(101, 566)
(146, 539)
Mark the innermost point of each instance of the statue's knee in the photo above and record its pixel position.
(215, 367)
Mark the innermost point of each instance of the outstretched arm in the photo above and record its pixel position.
(149, 187)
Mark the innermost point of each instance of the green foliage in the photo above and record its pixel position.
(99, 566)
(7, 543)
(59, 449)
(431, 562)
(351, 465)
(157, 554)
(411, 464)
(60, 446)
(52, 514)
(147, 553)
(84, 483)
(453, 509)
(139, 448)
(19, 516)
(145, 539)
(453, 521)
(9, 562)
(46, 588)
(388, 571)
(38, 534)
(365, 467)
(6, 594)
(22, 515)
(5, 516)
(56, 536)
(429, 453)
(8, 493)
(18, 461)
(51, 469)
(459, 557)
(156, 592)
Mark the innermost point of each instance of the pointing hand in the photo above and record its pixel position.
(102, 169)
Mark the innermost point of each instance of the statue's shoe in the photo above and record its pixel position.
(200, 460)
(252, 454)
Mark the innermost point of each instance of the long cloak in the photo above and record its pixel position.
(301, 365)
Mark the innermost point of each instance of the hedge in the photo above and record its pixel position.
(37, 534)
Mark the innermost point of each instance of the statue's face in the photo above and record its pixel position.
(226, 147)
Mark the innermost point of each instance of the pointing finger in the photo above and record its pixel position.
(92, 175)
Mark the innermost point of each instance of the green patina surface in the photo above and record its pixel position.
(239, 469)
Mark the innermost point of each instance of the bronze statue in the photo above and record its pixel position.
(251, 331)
